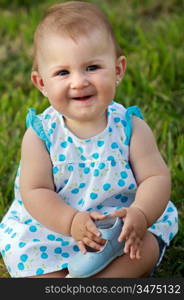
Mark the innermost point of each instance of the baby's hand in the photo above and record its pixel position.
(85, 232)
(133, 230)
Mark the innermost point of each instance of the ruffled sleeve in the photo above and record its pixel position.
(130, 112)
(35, 122)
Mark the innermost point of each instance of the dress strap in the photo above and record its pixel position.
(33, 121)
(130, 112)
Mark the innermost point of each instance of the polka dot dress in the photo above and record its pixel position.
(90, 175)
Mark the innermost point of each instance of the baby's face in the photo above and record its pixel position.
(79, 77)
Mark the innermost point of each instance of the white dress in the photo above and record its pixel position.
(92, 174)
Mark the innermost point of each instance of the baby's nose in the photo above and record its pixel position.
(79, 81)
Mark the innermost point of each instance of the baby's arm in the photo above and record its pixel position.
(152, 174)
(153, 179)
(37, 187)
(39, 196)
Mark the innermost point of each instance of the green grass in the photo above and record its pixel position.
(151, 36)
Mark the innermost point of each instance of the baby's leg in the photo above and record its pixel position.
(124, 267)
(57, 274)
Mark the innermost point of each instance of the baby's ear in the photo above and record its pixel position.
(38, 82)
(120, 67)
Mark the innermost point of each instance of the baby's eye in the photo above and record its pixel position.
(63, 72)
(92, 68)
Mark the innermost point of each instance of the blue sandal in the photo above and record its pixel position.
(85, 265)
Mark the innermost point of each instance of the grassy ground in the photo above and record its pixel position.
(151, 35)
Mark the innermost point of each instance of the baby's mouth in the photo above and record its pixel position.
(84, 98)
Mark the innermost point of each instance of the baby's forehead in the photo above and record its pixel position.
(96, 38)
(77, 35)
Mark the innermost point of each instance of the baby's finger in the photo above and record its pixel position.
(125, 233)
(121, 213)
(93, 237)
(95, 215)
(138, 253)
(133, 251)
(91, 243)
(82, 247)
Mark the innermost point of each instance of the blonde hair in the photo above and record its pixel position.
(73, 18)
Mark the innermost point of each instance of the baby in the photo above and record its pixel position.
(85, 157)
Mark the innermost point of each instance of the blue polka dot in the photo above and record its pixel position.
(65, 243)
(121, 182)
(80, 149)
(169, 222)
(70, 168)
(82, 165)
(39, 271)
(118, 196)
(7, 247)
(81, 202)
(59, 239)
(55, 170)
(35, 240)
(70, 140)
(47, 116)
(95, 155)
(82, 185)
(124, 198)
(75, 191)
(23, 257)
(51, 237)
(64, 144)
(165, 218)
(28, 221)
(44, 255)
(153, 226)
(92, 164)
(106, 186)
(116, 120)
(65, 254)
(82, 157)
(131, 186)
(101, 166)
(43, 248)
(100, 143)
(89, 209)
(50, 131)
(170, 209)
(110, 129)
(123, 174)
(96, 172)
(113, 163)
(21, 266)
(66, 181)
(121, 151)
(100, 206)
(63, 266)
(170, 236)
(32, 228)
(127, 166)
(86, 170)
(53, 125)
(76, 248)
(110, 158)
(114, 145)
(62, 157)
(93, 196)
